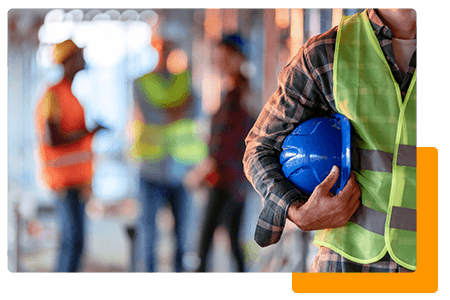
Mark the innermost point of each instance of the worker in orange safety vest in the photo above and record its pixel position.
(65, 149)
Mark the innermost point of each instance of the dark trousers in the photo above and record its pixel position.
(221, 207)
(71, 221)
(152, 197)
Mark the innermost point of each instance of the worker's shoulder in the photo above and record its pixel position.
(159, 76)
(49, 96)
(48, 105)
(55, 91)
(321, 41)
(148, 76)
(318, 51)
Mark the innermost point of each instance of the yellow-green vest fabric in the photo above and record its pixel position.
(383, 150)
(165, 91)
(181, 139)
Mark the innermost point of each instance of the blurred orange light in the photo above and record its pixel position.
(157, 43)
(296, 38)
(177, 61)
(282, 17)
(213, 23)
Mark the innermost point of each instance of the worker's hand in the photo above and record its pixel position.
(202, 175)
(323, 210)
(34, 228)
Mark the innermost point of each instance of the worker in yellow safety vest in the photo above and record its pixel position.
(166, 143)
(364, 69)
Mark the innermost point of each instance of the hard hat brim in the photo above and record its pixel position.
(346, 151)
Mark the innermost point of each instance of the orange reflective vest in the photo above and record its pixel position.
(71, 164)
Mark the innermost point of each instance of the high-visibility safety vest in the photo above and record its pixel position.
(180, 139)
(66, 165)
(383, 150)
(165, 91)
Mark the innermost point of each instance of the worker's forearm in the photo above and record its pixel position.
(56, 137)
(263, 170)
(294, 213)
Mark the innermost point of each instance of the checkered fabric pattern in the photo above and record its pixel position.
(229, 127)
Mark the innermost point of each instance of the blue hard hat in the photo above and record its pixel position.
(313, 148)
(237, 42)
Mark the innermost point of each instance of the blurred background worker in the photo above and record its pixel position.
(222, 171)
(166, 144)
(117, 49)
(65, 147)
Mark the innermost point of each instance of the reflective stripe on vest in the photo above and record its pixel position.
(383, 150)
(380, 161)
(180, 139)
(374, 221)
(66, 165)
(69, 159)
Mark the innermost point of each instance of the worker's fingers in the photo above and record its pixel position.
(355, 206)
(356, 196)
(326, 185)
(350, 188)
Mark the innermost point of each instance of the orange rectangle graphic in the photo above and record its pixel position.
(425, 278)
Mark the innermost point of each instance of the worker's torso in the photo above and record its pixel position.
(67, 165)
(165, 145)
(383, 150)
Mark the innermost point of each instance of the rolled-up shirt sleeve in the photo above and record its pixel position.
(299, 96)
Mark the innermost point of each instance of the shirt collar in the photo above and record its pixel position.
(380, 28)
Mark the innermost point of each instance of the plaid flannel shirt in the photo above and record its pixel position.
(305, 91)
(229, 127)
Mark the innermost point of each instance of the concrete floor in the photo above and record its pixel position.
(108, 247)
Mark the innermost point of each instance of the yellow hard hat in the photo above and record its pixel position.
(63, 50)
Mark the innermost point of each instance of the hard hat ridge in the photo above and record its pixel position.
(313, 148)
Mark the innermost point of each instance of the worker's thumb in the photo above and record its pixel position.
(330, 180)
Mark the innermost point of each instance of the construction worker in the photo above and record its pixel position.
(364, 69)
(166, 143)
(222, 171)
(65, 148)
